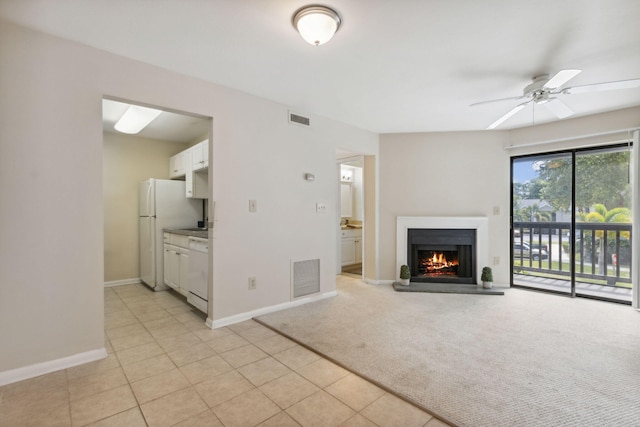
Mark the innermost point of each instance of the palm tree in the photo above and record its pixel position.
(613, 216)
(540, 216)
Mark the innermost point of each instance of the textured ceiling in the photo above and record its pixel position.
(394, 66)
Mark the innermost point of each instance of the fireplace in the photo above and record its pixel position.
(442, 255)
(462, 241)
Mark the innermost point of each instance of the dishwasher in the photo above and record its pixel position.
(198, 273)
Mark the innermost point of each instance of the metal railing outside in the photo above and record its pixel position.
(603, 251)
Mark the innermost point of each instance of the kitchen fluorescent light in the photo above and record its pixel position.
(135, 119)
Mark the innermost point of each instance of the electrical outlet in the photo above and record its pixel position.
(496, 260)
(253, 206)
(252, 283)
(321, 208)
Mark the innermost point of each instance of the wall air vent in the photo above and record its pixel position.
(305, 277)
(298, 119)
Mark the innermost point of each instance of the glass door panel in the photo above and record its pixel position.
(603, 223)
(541, 222)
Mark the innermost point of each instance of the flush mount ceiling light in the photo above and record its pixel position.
(135, 119)
(316, 24)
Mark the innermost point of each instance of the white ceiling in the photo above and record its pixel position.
(168, 126)
(394, 66)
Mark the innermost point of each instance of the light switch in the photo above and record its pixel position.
(321, 208)
(253, 206)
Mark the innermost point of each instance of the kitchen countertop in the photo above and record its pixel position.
(193, 232)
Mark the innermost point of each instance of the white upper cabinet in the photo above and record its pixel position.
(197, 181)
(177, 165)
(188, 172)
(195, 158)
(200, 155)
(193, 165)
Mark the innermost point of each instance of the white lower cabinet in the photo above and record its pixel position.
(171, 266)
(351, 247)
(348, 251)
(176, 263)
(184, 271)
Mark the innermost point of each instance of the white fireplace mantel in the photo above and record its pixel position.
(480, 224)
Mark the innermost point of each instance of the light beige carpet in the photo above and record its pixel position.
(523, 359)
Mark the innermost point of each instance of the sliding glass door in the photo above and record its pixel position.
(571, 222)
(541, 228)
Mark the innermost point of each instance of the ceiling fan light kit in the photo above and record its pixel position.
(541, 89)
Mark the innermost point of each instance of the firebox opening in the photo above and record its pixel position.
(437, 263)
(442, 255)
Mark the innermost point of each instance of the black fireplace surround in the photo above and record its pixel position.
(427, 249)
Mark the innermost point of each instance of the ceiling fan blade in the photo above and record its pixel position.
(597, 87)
(561, 78)
(508, 115)
(497, 100)
(559, 108)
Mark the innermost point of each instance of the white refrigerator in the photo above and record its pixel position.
(162, 204)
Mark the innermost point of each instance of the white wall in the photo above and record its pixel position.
(51, 223)
(444, 174)
(51, 185)
(270, 169)
(358, 195)
(586, 131)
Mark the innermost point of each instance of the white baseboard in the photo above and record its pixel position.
(237, 318)
(378, 282)
(132, 281)
(37, 369)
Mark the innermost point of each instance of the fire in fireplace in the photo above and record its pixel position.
(442, 255)
(435, 263)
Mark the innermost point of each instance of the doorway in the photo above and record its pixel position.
(572, 222)
(127, 160)
(351, 216)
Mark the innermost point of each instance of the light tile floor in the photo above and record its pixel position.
(166, 368)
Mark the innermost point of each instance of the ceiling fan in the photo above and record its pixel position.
(542, 90)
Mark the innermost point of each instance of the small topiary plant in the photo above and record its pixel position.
(487, 274)
(405, 273)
